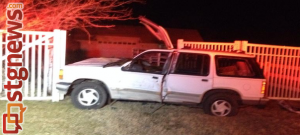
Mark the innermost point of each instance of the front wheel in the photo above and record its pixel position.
(221, 104)
(88, 95)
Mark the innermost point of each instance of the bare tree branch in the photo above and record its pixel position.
(47, 15)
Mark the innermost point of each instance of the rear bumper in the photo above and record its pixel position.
(63, 86)
(261, 101)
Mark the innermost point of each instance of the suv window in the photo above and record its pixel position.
(193, 64)
(234, 66)
(149, 62)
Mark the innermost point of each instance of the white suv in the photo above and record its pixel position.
(220, 81)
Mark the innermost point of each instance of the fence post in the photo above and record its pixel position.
(55, 63)
(244, 45)
(62, 46)
(63, 40)
(237, 45)
(180, 44)
(1, 55)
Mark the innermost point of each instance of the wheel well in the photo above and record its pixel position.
(78, 81)
(225, 91)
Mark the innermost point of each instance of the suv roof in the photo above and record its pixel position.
(211, 52)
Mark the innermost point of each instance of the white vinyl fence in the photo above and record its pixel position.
(43, 56)
(281, 64)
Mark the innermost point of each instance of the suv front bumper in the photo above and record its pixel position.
(63, 86)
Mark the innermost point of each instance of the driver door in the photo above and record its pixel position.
(142, 78)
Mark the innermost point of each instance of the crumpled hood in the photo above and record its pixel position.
(97, 62)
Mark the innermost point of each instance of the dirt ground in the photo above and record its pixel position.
(136, 118)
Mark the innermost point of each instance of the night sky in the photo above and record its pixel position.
(268, 22)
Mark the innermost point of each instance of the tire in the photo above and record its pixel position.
(221, 104)
(89, 95)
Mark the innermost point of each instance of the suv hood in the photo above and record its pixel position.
(159, 32)
(96, 62)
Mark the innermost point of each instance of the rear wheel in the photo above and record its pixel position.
(221, 104)
(89, 95)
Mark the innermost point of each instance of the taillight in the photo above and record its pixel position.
(263, 87)
(61, 74)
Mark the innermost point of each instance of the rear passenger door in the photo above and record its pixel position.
(189, 78)
(241, 74)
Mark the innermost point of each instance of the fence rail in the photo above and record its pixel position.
(281, 64)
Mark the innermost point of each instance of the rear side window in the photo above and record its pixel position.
(192, 64)
(234, 66)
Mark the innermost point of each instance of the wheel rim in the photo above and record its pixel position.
(221, 108)
(88, 97)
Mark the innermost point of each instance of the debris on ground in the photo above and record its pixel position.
(288, 106)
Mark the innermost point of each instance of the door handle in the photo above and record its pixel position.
(154, 77)
(204, 80)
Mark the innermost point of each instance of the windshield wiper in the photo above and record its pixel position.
(117, 63)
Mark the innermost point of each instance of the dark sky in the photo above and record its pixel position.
(269, 22)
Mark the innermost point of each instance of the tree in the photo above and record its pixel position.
(47, 15)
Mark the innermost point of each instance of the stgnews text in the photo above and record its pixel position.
(12, 120)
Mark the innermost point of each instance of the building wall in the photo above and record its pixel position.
(115, 47)
(121, 41)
